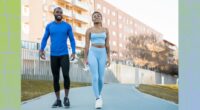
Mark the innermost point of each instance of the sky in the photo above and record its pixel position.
(161, 15)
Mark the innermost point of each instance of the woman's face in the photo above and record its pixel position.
(97, 18)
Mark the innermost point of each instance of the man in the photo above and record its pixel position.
(59, 31)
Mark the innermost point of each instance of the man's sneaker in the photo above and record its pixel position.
(57, 103)
(98, 104)
(66, 102)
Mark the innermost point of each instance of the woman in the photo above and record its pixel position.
(98, 56)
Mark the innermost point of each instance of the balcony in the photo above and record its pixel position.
(83, 5)
(78, 43)
(79, 30)
(25, 2)
(66, 12)
(81, 18)
(53, 6)
(68, 1)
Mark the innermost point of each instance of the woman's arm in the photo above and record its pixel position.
(87, 44)
(107, 44)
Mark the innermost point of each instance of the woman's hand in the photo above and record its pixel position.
(108, 62)
(86, 61)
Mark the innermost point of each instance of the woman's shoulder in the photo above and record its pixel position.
(93, 29)
(105, 29)
(89, 29)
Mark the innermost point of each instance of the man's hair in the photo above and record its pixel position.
(56, 9)
(96, 12)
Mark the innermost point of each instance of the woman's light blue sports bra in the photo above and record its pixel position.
(98, 38)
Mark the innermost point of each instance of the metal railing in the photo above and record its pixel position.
(33, 68)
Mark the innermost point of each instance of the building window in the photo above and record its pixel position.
(131, 22)
(54, 2)
(44, 1)
(120, 26)
(124, 37)
(124, 19)
(113, 13)
(104, 20)
(114, 33)
(108, 21)
(25, 28)
(44, 17)
(108, 11)
(25, 10)
(131, 31)
(45, 23)
(114, 43)
(135, 25)
(148, 31)
(23, 44)
(144, 29)
(45, 8)
(113, 23)
(98, 6)
(120, 54)
(104, 9)
(119, 17)
(136, 32)
(120, 35)
(120, 45)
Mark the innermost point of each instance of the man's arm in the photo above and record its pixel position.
(45, 38)
(72, 40)
(44, 42)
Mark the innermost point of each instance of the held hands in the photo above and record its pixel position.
(42, 54)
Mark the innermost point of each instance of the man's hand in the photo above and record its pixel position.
(108, 62)
(72, 56)
(42, 54)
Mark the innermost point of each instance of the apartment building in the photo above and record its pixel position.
(36, 14)
(173, 52)
(121, 26)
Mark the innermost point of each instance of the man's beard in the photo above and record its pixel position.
(58, 17)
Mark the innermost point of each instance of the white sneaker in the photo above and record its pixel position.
(98, 104)
(100, 96)
(101, 100)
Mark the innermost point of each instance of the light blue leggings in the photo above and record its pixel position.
(97, 62)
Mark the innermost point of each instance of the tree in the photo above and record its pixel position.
(149, 51)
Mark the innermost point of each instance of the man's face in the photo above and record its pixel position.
(97, 18)
(58, 14)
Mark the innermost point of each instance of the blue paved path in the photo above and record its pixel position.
(115, 97)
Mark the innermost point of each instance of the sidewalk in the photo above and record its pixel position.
(115, 97)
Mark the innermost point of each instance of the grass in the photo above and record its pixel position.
(34, 88)
(168, 92)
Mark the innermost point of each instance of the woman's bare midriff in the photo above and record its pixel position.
(98, 46)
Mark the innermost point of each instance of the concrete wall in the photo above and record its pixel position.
(116, 73)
